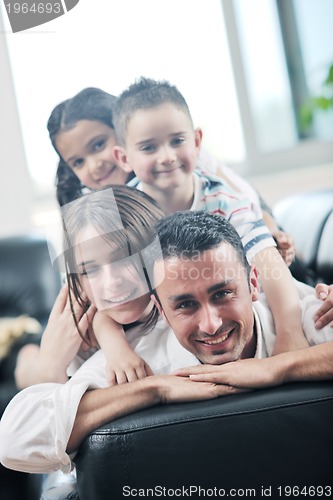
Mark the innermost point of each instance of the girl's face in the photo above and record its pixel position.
(88, 151)
(113, 281)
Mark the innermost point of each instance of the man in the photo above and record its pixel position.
(207, 297)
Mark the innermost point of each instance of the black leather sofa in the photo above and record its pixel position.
(276, 442)
(28, 285)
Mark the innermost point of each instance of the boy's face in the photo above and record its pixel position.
(161, 147)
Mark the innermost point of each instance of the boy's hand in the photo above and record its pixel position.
(285, 245)
(126, 368)
(324, 314)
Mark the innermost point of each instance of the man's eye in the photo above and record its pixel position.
(187, 304)
(222, 294)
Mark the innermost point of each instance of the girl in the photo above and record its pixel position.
(82, 133)
(110, 240)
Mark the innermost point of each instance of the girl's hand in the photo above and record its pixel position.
(285, 245)
(61, 340)
(126, 368)
(324, 314)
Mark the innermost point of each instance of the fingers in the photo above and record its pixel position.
(129, 375)
(324, 314)
(323, 290)
(185, 372)
(60, 302)
(286, 246)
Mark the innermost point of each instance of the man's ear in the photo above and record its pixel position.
(198, 138)
(254, 283)
(120, 156)
(159, 308)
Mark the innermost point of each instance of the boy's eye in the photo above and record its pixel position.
(177, 141)
(148, 148)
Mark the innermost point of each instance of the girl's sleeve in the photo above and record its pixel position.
(37, 423)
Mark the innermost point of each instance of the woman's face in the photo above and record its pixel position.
(113, 281)
(87, 149)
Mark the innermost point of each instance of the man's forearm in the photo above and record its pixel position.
(99, 406)
(314, 363)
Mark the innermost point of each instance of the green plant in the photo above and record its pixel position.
(323, 102)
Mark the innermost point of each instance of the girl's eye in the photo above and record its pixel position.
(98, 145)
(90, 272)
(77, 163)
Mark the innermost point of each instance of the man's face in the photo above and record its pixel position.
(207, 300)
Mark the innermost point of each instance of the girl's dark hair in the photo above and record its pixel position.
(125, 217)
(89, 104)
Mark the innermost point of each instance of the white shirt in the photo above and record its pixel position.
(37, 423)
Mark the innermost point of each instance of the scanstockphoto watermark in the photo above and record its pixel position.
(188, 491)
(201, 265)
(28, 14)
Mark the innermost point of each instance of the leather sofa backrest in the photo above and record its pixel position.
(29, 283)
(308, 218)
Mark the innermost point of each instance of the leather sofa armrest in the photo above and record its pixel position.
(268, 438)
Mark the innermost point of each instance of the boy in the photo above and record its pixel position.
(157, 140)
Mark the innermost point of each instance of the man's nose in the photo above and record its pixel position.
(210, 320)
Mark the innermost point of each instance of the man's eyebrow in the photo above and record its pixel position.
(177, 298)
(218, 286)
(190, 296)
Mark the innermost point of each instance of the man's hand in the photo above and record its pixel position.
(178, 389)
(324, 314)
(245, 374)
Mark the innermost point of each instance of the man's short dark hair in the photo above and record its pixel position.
(185, 234)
